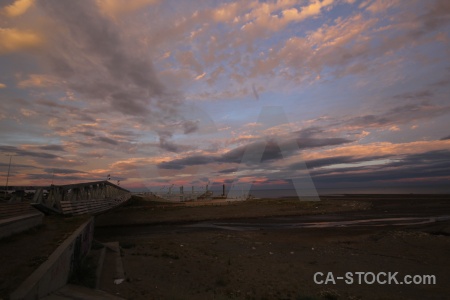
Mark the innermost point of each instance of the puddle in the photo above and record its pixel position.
(292, 225)
(269, 223)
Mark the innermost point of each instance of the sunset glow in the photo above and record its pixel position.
(170, 92)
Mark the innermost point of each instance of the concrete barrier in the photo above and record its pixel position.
(54, 273)
(18, 217)
(17, 224)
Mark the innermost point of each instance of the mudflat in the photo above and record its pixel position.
(283, 248)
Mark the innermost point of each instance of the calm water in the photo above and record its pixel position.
(275, 193)
(276, 224)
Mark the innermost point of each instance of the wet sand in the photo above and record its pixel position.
(166, 255)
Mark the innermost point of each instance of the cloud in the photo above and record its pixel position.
(380, 148)
(340, 47)
(19, 7)
(27, 112)
(313, 9)
(263, 18)
(420, 95)
(96, 61)
(99, 62)
(12, 40)
(168, 145)
(127, 87)
(226, 12)
(62, 177)
(345, 46)
(399, 115)
(436, 16)
(86, 133)
(179, 164)
(114, 8)
(53, 148)
(423, 168)
(2, 85)
(304, 143)
(329, 161)
(294, 57)
(200, 76)
(62, 171)
(228, 171)
(21, 152)
(417, 167)
(68, 118)
(272, 151)
(107, 140)
(385, 119)
(255, 92)
(39, 80)
(188, 59)
(190, 126)
(380, 6)
(15, 165)
(445, 138)
(429, 158)
(348, 46)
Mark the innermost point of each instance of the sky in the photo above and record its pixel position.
(351, 94)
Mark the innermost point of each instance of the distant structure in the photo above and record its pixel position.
(194, 195)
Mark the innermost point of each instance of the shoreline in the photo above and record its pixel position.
(152, 232)
(145, 212)
(173, 261)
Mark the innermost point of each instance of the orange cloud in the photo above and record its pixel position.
(38, 80)
(12, 39)
(114, 8)
(311, 10)
(380, 148)
(18, 8)
(226, 12)
(382, 5)
(262, 18)
(27, 112)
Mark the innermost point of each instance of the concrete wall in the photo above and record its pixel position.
(54, 273)
(20, 223)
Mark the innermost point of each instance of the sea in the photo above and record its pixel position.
(290, 192)
(279, 193)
